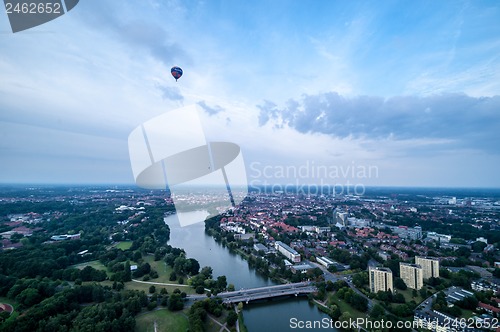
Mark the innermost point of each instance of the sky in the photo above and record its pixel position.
(386, 93)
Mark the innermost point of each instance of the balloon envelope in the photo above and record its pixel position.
(176, 72)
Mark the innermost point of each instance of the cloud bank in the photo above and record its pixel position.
(469, 122)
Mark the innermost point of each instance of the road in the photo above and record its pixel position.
(245, 295)
(346, 277)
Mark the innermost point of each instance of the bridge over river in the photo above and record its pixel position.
(252, 294)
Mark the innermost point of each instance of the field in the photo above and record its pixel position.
(163, 270)
(408, 294)
(345, 307)
(163, 277)
(165, 321)
(95, 264)
(145, 287)
(124, 245)
(159, 266)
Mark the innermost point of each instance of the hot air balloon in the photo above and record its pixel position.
(176, 72)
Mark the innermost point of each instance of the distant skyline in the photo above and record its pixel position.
(409, 89)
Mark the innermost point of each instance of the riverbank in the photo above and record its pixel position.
(260, 316)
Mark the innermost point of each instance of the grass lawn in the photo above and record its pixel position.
(408, 294)
(241, 323)
(163, 270)
(345, 307)
(95, 264)
(241, 253)
(124, 245)
(165, 321)
(132, 285)
(467, 313)
(211, 326)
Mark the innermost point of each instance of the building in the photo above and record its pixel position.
(65, 237)
(340, 218)
(404, 232)
(358, 223)
(430, 266)
(244, 237)
(301, 268)
(482, 239)
(457, 295)
(441, 238)
(260, 246)
(488, 308)
(483, 286)
(326, 262)
(288, 252)
(380, 279)
(412, 275)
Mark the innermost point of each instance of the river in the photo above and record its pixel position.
(272, 316)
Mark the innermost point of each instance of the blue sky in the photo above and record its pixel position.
(411, 88)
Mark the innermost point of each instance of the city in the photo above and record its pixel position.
(249, 166)
(394, 254)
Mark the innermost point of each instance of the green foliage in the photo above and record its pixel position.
(232, 317)
(175, 302)
(440, 304)
(63, 311)
(360, 279)
(357, 301)
(400, 284)
(198, 313)
(377, 312)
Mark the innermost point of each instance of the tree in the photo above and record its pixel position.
(29, 297)
(194, 267)
(423, 292)
(207, 272)
(14, 238)
(3, 316)
(377, 312)
(346, 317)
(359, 302)
(127, 274)
(398, 298)
(175, 302)
(221, 283)
(400, 284)
(478, 246)
(231, 319)
(360, 279)
(137, 256)
(152, 289)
